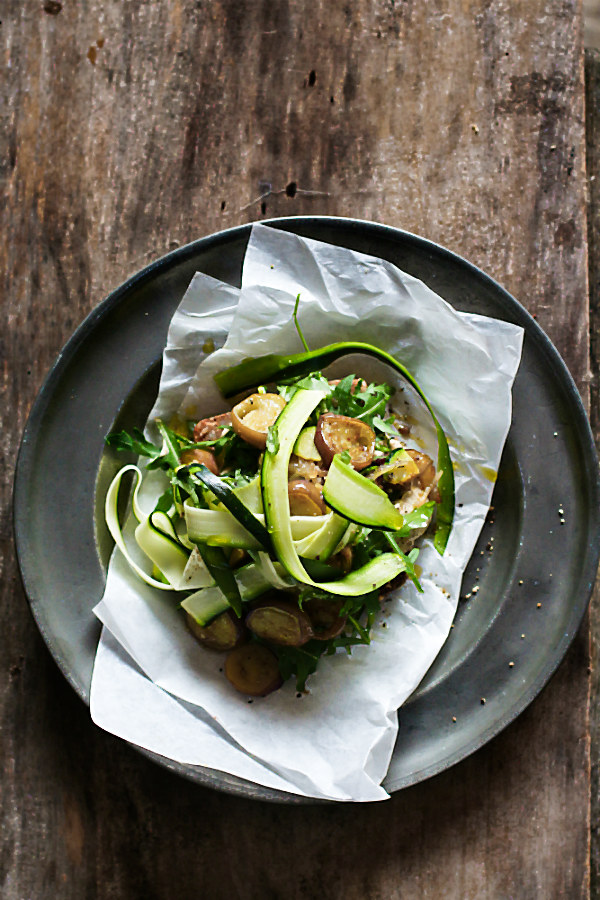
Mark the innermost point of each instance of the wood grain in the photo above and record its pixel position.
(131, 127)
(592, 82)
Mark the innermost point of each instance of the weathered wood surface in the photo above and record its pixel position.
(591, 17)
(592, 81)
(131, 127)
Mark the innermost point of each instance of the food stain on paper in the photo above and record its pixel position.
(489, 473)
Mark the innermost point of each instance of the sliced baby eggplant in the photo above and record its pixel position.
(212, 429)
(225, 632)
(253, 669)
(325, 617)
(252, 417)
(306, 468)
(342, 560)
(205, 457)
(335, 434)
(425, 466)
(306, 498)
(280, 622)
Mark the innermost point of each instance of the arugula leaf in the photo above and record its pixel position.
(345, 642)
(364, 603)
(164, 502)
(135, 442)
(300, 661)
(217, 564)
(229, 447)
(343, 396)
(371, 411)
(171, 444)
(409, 560)
(386, 425)
(183, 482)
(313, 382)
(242, 455)
(364, 635)
(237, 478)
(369, 543)
(359, 403)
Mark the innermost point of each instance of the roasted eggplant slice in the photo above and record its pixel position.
(425, 466)
(280, 622)
(306, 498)
(212, 429)
(225, 632)
(253, 669)
(336, 434)
(205, 457)
(325, 617)
(252, 417)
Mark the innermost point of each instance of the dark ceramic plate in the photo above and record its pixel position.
(109, 370)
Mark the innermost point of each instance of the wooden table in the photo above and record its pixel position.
(131, 127)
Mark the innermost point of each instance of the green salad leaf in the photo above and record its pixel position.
(134, 442)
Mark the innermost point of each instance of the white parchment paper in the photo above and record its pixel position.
(152, 684)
